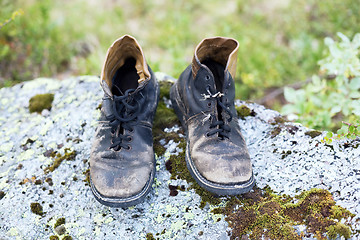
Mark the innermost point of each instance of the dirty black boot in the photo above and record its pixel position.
(122, 161)
(203, 99)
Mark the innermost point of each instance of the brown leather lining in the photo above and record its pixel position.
(119, 51)
(220, 49)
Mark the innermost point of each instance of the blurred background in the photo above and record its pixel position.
(281, 43)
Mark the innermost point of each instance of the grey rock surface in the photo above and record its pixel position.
(288, 162)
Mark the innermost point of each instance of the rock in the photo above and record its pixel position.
(288, 162)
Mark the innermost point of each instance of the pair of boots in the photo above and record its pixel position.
(122, 161)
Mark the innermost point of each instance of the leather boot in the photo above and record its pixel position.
(122, 161)
(203, 99)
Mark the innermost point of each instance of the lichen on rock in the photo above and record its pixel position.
(289, 162)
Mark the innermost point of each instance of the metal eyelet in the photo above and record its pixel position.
(207, 134)
(209, 104)
(128, 148)
(207, 77)
(130, 139)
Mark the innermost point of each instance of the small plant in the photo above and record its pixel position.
(331, 102)
(13, 16)
(348, 130)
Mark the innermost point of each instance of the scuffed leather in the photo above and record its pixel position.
(124, 173)
(224, 161)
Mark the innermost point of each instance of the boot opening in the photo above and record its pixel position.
(217, 70)
(125, 78)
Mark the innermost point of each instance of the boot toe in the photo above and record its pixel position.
(232, 168)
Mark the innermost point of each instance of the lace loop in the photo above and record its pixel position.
(219, 126)
(126, 108)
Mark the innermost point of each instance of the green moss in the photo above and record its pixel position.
(87, 177)
(67, 237)
(165, 89)
(36, 208)
(264, 214)
(313, 133)
(54, 237)
(59, 222)
(40, 102)
(164, 118)
(68, 155)
(150, 236)
(243, 111)
(339, 229)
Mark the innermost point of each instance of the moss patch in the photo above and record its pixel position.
(244, 111)
(54, 237)
(313, 133)
(264, 214)
(87, 177)
(40, 102)
(164, 118)
(150, 236)
(68, 155)
(338, 229)
(279, 124)
(165, 89)
(59, 222)
(36, 208)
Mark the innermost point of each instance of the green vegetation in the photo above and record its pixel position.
(40, 102)
(54, 37)
(333, 101)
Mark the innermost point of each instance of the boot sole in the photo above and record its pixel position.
(133, 200)
(216, 188)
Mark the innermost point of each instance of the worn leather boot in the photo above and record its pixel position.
(122, 161)
(203, 99)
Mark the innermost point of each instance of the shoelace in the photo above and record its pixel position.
(223, 129)
(126, 108)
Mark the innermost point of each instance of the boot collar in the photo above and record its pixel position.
(119, 51)
(221, 49)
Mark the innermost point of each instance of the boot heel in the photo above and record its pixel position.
(174, 97)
